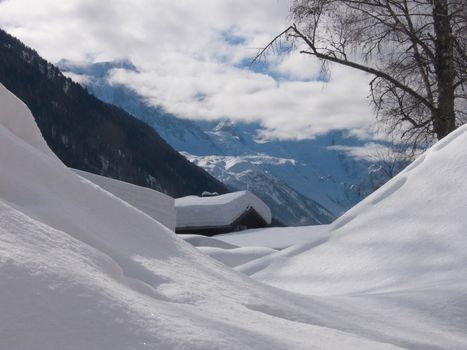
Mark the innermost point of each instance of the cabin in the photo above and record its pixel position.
(212, 215)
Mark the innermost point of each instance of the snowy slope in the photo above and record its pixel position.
(16, 119)
(409, 235)
(236, 256)
(252, 250)
(157, 205)
(81, 269)
(203, 241)
(276, 237)
(228, 254)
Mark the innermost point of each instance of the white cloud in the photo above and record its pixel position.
(370, 151)
(189, 55)
(78, 78)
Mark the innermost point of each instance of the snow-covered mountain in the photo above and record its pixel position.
(315, 168)
(288, 205)
(323, 179)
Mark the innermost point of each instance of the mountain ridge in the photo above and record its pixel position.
(318, 170)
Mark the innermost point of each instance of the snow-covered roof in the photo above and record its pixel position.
(223, 210)
(157, 205)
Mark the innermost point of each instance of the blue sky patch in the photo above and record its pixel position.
(231, 38)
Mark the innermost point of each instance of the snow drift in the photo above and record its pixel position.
(236, 256)
(203, 241)
(411, 233)
(276, 237)
(157, 205)
(82, 269)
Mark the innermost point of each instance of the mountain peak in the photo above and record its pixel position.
(225, 126)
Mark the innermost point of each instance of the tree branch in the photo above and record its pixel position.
(360, 67)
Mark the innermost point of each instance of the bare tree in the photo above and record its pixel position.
(388, 161)
(414, 49)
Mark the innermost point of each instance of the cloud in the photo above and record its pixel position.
(78, 78)
(192, 59)
(370, 151)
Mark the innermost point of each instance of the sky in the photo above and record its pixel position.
(194, 60)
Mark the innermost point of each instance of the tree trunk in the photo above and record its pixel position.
(444, 118)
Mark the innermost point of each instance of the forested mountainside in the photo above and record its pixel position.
(91, 135)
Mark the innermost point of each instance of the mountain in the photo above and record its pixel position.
(318, 172)
(287, 205)
(318, 168)
(196, 139)
(91, 135)
(179, 133)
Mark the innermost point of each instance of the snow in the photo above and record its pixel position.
(16, 118)
(410, 233)
(398, 260)
(238, 249)
(229, 254)
(157, 205)
(236, 256)
(203, 241)
(194, 211)
(82, 269)
(276, 237)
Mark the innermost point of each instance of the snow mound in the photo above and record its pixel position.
(203, 241)
(157, 205)
(194, 211)
(82, 269)
(16, 118)
(409, 234)
(236, 256)
(276, 237)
